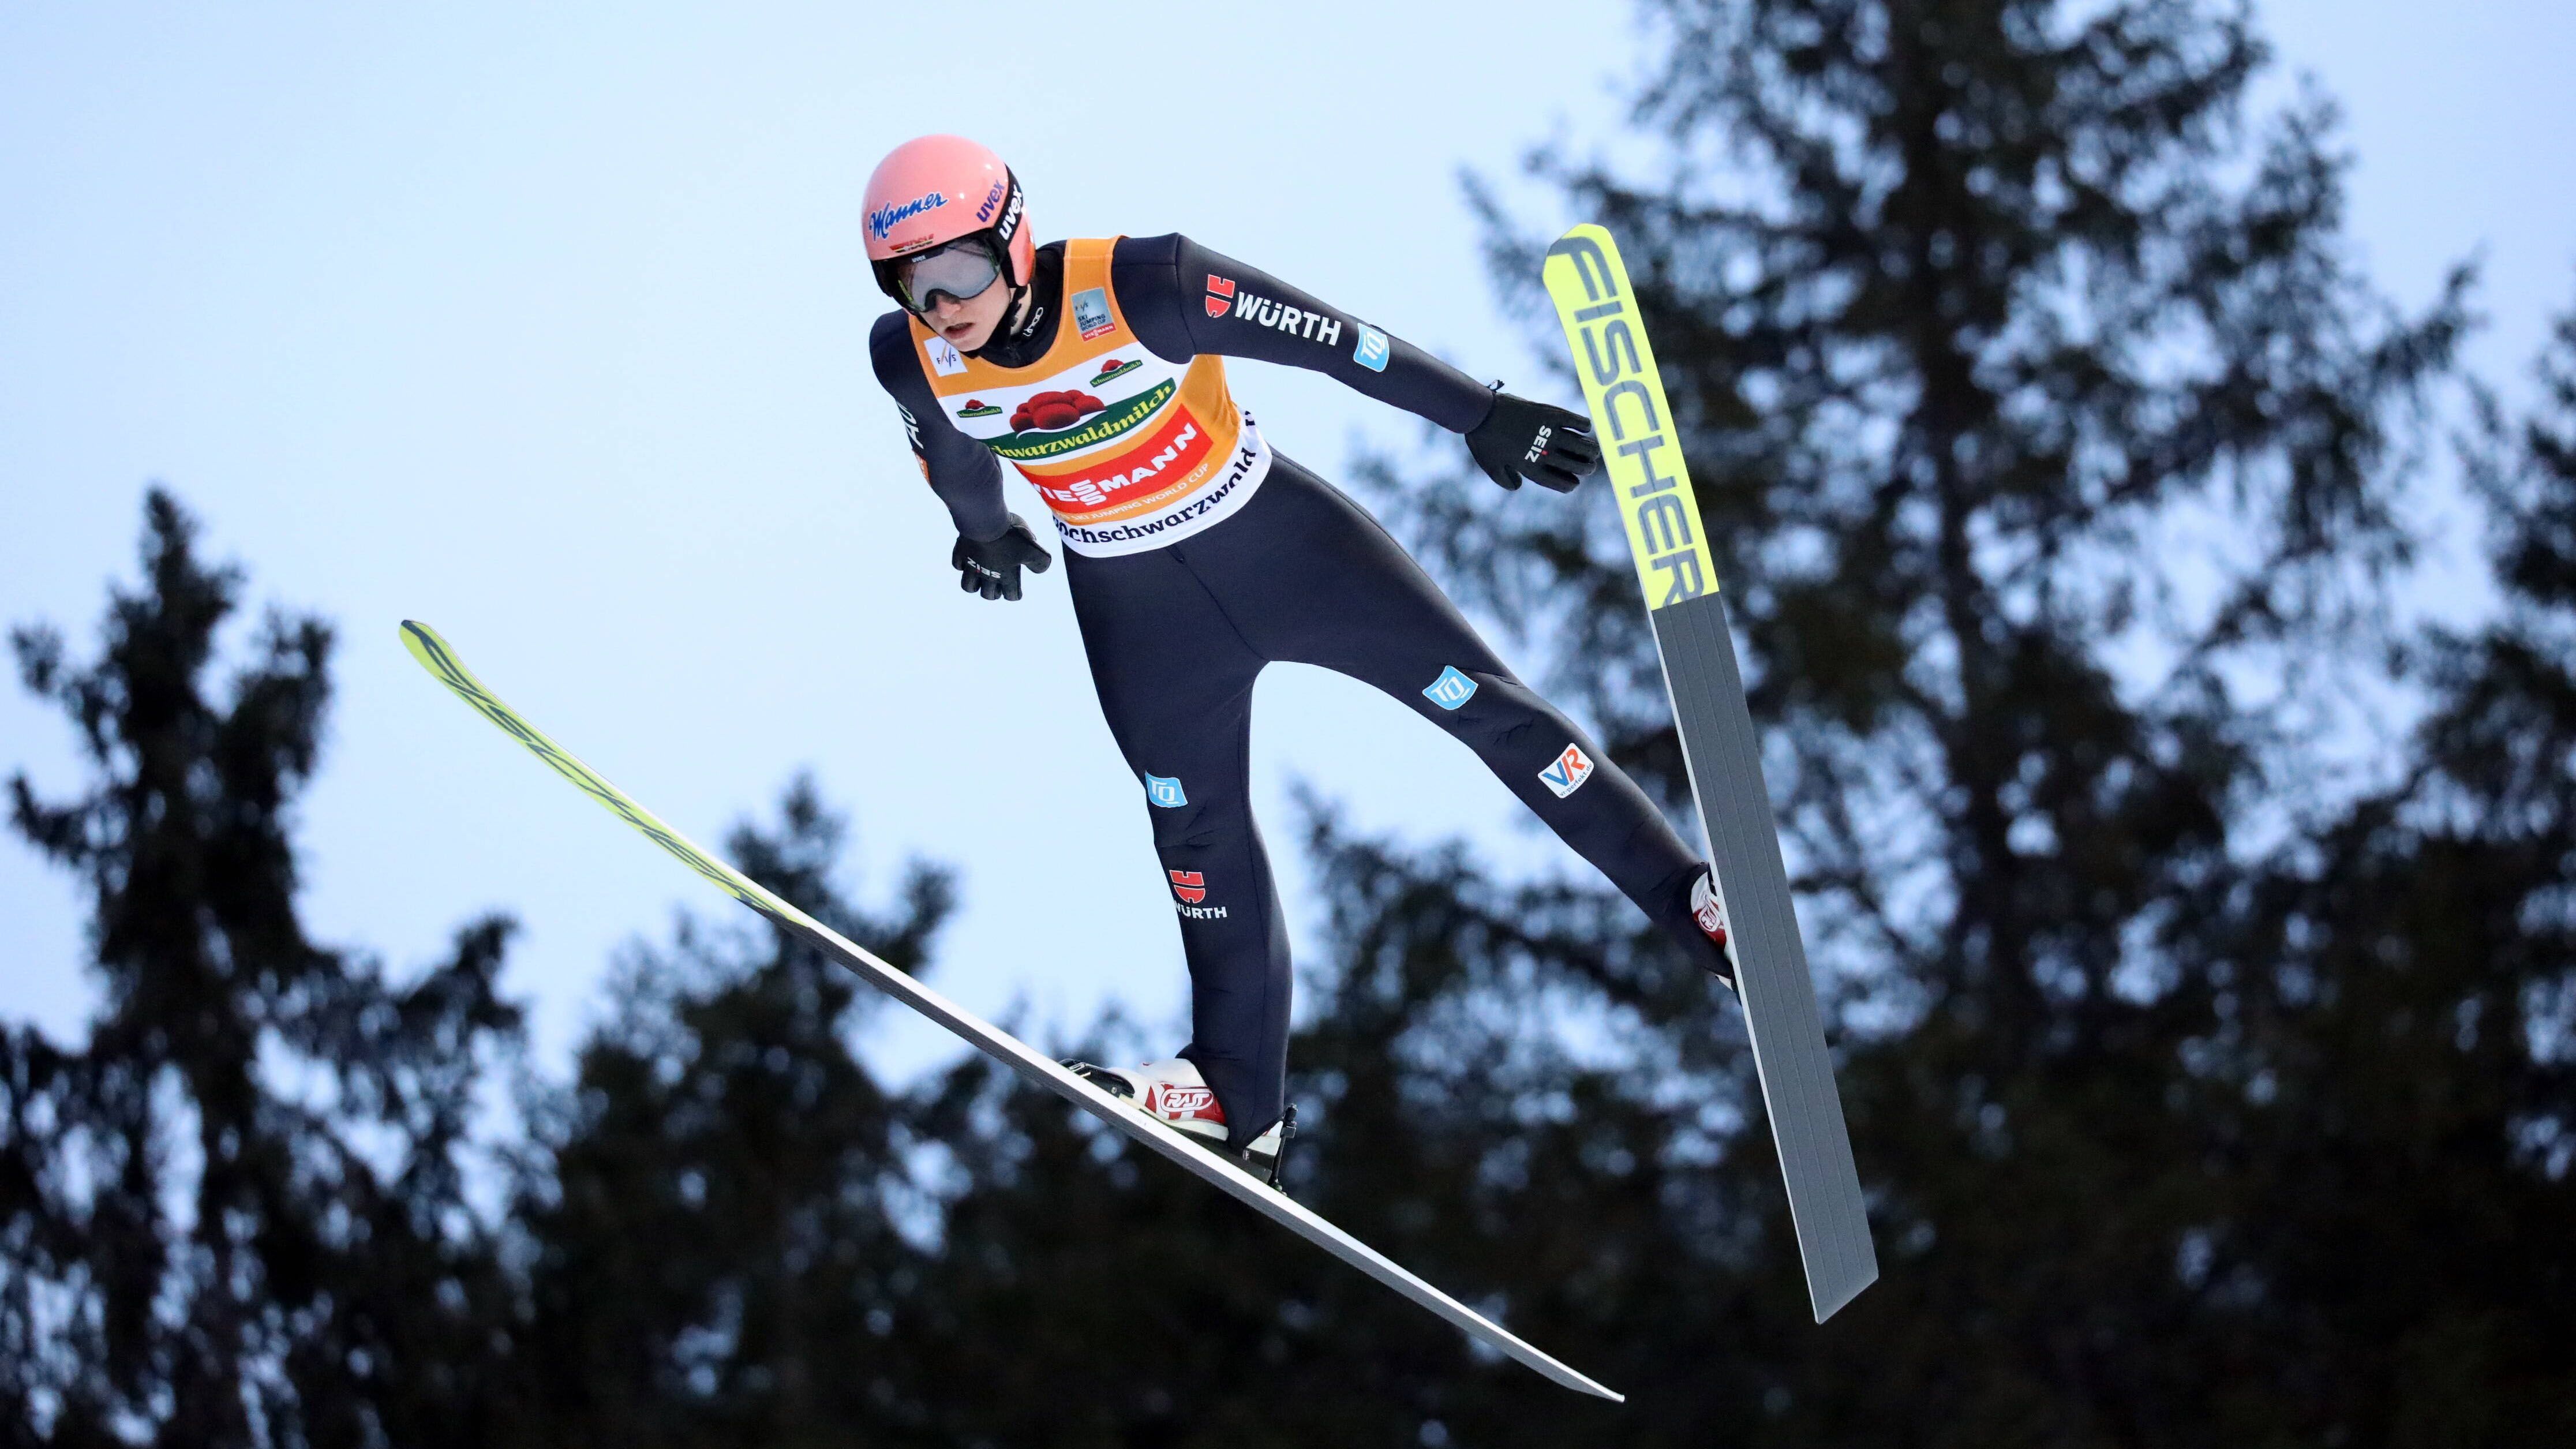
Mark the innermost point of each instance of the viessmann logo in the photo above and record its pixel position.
(883, 220)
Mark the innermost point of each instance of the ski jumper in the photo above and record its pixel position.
(1196, 555)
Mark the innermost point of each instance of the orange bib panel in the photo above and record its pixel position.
(1130, 452)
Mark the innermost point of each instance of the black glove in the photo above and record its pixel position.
(992, 567)
(1522, 439)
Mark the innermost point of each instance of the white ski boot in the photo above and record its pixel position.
(1174, 1092)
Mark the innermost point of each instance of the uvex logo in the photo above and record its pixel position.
(1009, 225)
(1189, 885)
(1220, 295)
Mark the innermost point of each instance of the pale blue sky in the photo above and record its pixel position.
(546, 325)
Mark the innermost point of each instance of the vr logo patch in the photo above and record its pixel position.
(1451, 689)
(1166, 793)
(1568, 773)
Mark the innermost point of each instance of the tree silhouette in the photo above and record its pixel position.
(715, 1240)
(2198, 932)
(237, 1213)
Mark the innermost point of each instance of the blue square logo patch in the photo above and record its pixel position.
(1373, 349)
(1451, 689)
(1166, 793)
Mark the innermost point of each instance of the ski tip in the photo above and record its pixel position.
(425, 645)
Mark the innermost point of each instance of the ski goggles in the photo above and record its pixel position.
(962, 269)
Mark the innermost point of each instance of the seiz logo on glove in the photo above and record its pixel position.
(1522, 439)
(991, 567)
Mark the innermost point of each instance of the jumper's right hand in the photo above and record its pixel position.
(991, 567)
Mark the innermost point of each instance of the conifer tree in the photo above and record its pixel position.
(236, 1213)
(717, 1246)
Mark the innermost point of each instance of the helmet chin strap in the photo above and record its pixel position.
(1019, 318)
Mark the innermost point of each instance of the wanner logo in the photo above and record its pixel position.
(886, 218)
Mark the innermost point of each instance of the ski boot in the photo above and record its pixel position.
(1174, 1093)
(1710, 917)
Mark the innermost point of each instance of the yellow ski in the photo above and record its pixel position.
(1667, 535)
(441, 661)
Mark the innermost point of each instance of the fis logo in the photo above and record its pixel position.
(1373, 349)
(945, 359)
(1568, 773)
(1166, 793)
(1091, 313)
(1220, 295)
(1189, 885)
(1538, 445)
(1451, 689)
(886, 218)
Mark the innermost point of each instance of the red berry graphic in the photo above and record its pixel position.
(1049, 411)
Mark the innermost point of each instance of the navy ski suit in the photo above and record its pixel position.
(1178, 632)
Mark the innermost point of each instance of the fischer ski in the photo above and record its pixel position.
(1642, 450)
(441, 661)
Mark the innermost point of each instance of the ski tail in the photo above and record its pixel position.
(1668, 539)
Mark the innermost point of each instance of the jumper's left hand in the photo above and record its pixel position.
(1522, 439)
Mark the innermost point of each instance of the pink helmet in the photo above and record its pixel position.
(936, 189)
